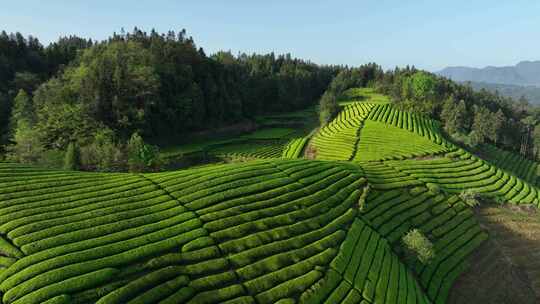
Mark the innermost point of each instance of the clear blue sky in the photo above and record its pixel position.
(429, 34)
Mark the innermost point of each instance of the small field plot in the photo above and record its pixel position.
(419, 124)
(250, 149)
(380, 141)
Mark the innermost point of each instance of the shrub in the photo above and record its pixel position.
(418, 246)
(27, 148)
(141, 156)
(433, 188)
(363, 198)
(104, 153)
(53, 159)
(72, 159)
(328, 107)
(470, 198)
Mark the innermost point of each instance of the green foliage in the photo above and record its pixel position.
(470, 197)
(328, 107)
(59, 120)
(124, 77)
(454, 116)
(418, 93)
(493, 118)
(423, 86)
(103, 153)
(27, 147)
(418, 246)
(474, 139)
(344, 80)
(433, 188)
(363, 198)
(22, 110)
(141, 156)
(72, 159)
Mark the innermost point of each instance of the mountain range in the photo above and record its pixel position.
(525, 73)
(522, 79)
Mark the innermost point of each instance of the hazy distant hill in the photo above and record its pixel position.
(525, 73)
(532, 93)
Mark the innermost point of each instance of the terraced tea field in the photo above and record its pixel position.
(275, 136)
(258, 232)
(512, 162)
(277, 230)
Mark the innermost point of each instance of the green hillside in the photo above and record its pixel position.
(281, 229)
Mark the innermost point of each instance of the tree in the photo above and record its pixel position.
(72, 160)
(523, 104)
(418, 92)
(328, 107)
(482, 124)
(418, 246)
(141, 156)
(22, 110)
(103, 153)
(27, 147)
(454, 116)
(497, 123)
(118, 84)
(26, 81)
(5, 107)
(536, 141)
(529, 124)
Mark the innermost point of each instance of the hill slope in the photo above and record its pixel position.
(266, 231)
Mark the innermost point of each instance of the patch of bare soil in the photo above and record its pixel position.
(505, 269)
(426, 157)
(311, 152)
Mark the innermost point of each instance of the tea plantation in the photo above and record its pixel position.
(281, 229)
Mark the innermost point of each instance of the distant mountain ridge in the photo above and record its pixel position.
(525, 73)
(531, 93)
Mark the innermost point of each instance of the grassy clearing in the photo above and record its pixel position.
(363, 95)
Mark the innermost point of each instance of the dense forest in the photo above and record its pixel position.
(97, 95)
(98, 99)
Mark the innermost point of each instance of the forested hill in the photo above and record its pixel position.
(150, 83)
(98, 100)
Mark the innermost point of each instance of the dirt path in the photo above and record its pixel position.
(506, 269)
